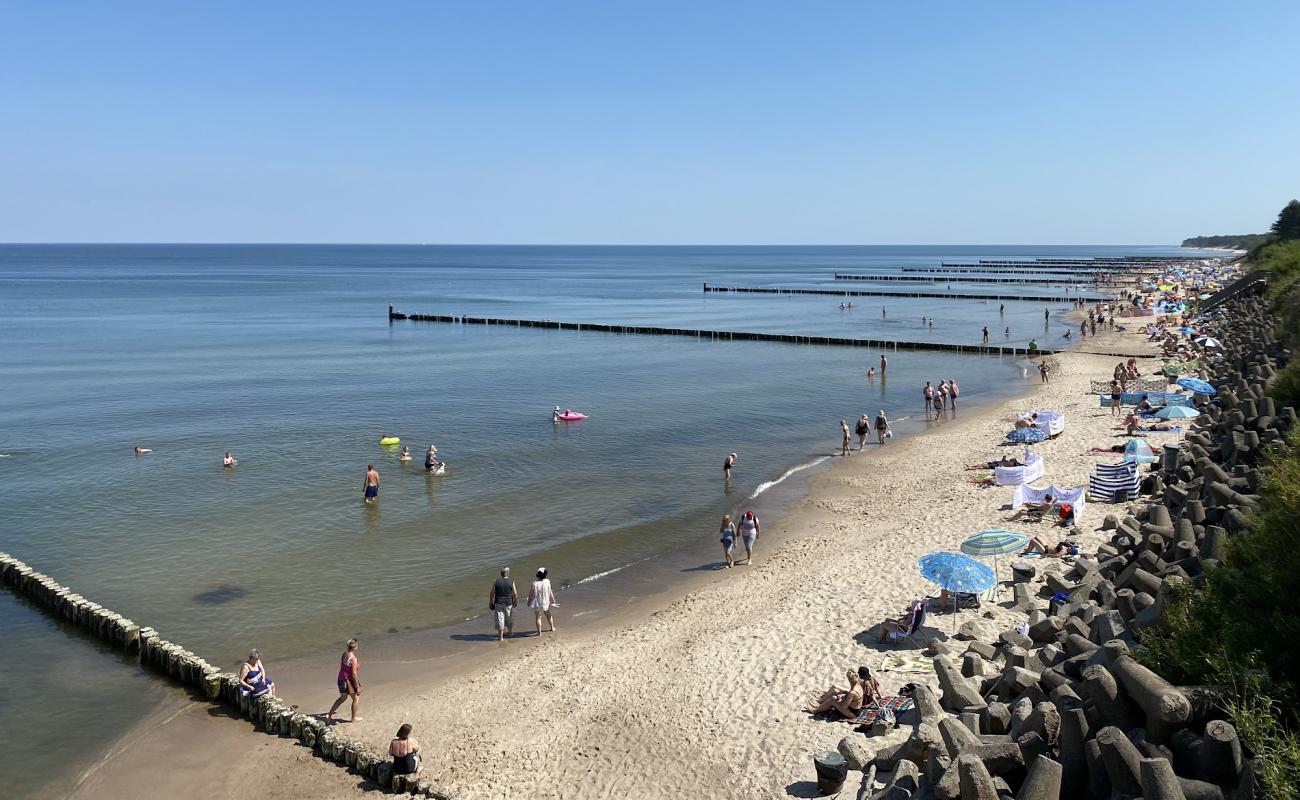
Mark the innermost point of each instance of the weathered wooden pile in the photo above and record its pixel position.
(268, 714)
(1065, 711)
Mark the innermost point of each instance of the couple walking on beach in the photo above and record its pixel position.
(504, 597)
(748, 530)
(862, 428)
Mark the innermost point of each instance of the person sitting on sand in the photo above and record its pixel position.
(405, 751)
(1033, 512)
(1062, 548)
(142, 450)
(1030, 421)
(253, 681)
(870, 687)
(1144, 406)
(848, 702)
(228, 461)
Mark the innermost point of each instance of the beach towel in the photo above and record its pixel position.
(895, 705)
(1114, 483)
(1028, 494)
(907, 661)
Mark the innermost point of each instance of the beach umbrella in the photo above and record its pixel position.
(956, 573)
(1208, 341)
(1177, 412)
(1029, 435)
(1138, 451)
(994, 542)
(1186, 329)
(1196, 385)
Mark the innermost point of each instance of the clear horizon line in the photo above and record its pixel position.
(590, 244)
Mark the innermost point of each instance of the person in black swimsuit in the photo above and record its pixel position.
(727, 464)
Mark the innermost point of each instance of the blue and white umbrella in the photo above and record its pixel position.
(1197, 385)
(956, 572)
(1029, 435)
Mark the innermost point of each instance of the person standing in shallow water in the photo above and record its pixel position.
(727, 535)
(540, 599)
(846, 440)
(371, 485)
(727, 464)
(882, 426)
(349, 682)
(862, 429)
(884, 363)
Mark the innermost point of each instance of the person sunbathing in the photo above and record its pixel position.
(1033, 511)
(1002, 462)
(897, 628)
(1062, 548)
(847, 702)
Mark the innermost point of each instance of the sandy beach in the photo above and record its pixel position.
(683, 693)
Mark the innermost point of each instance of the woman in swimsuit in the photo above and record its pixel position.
(727, 464)
(882, 426)
(848, 702)
(1116, 396)
(228, 461)
(405, 454)
(405, 752)
(861, 429)
(727, 535)
(349, 682)
(253, 681)
(846, 440)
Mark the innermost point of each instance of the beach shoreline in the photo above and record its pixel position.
(399, 665)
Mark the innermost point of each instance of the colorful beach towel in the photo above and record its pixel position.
(897, 704)
(907, 661)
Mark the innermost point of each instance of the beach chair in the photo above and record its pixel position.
(920, 608)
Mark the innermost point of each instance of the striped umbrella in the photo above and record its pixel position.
(995, 542)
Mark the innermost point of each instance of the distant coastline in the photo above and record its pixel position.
(1231, 243)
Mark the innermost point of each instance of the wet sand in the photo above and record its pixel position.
(686, 686)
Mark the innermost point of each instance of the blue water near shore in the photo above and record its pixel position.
(284, 356)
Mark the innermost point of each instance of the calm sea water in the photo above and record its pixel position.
(284, 356)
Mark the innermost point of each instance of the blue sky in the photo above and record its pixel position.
(629, 121)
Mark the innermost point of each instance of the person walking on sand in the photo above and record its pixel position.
(727, 464)
(846, 439)
(540, 599)
(349, 682)
(502, 599)
(1042, 372)
(749, 530)
(727, 535)
(882, 426)
(371, 486)
(862, 429)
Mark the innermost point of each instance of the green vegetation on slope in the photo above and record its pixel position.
(1241, 241)
(1241, 631)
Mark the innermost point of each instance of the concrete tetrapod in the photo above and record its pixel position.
(1043, 781)
(1157, 697)
(1159, 781)
(1121, 759)
(976, 783)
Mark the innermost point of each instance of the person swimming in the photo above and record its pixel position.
(142, 450)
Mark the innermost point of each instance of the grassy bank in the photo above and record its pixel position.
(1240, 631)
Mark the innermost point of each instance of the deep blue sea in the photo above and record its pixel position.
(284, 356)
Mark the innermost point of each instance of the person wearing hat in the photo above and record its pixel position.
(749, 530)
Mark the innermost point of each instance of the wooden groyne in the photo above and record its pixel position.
(1055, 298)
(173, 662)
(724, 336)
(971, 278)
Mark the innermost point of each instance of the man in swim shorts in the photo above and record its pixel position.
(371, 486)
(502, 601)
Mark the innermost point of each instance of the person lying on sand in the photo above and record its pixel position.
(1002, 462)
(1033, 511)
(1062, 548)
(848, 702)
